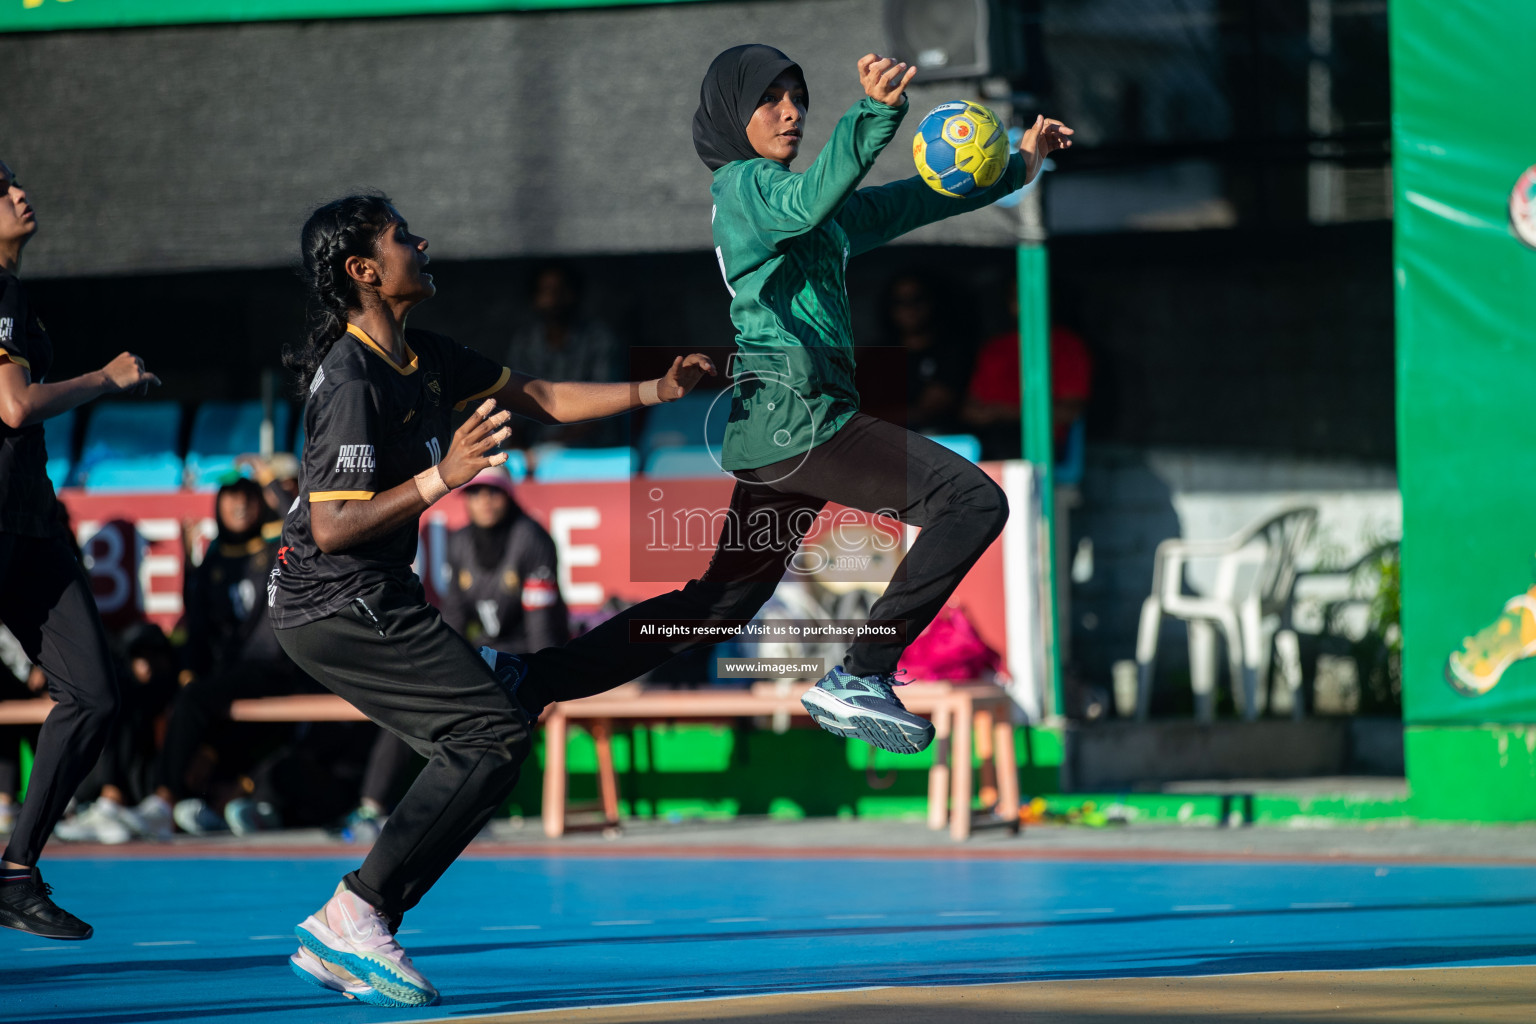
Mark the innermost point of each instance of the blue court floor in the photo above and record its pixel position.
(196, 940)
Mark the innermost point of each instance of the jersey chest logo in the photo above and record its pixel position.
(433, 384)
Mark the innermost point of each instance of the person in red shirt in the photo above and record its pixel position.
(991, 409)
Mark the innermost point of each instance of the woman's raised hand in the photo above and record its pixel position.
(474, 445)
(683, 375)
(882, 78)
(1043, 138)
(127, 373)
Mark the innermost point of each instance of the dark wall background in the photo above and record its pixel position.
(499, 135)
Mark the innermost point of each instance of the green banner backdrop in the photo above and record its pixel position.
(1464, 143)
(44, 15)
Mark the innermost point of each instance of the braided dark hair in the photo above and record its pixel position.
(344, 227)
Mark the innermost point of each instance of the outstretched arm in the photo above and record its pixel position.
(23, 402)
(549, 401)
(874, 216)
(793, 204)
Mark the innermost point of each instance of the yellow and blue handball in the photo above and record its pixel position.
(960, 147)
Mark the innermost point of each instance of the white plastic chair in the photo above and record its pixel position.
(1249, 603)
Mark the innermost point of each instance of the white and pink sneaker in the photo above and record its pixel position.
(328, 976)
(350, 934)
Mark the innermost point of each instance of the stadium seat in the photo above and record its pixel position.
(221, 432)
(59, 439)
(131, 446)
(967, 445)
(684, 461)
(572, 465)
(683, 423)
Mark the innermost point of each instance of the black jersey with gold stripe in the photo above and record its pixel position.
(370, 424)
(27, 504)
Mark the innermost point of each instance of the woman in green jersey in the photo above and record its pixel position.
(795, 439)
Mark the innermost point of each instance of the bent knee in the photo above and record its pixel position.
(98, 707)
(997, 509)
(985, 504)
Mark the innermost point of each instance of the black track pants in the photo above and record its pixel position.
(45, 600)
(871, 465)
(398, 663)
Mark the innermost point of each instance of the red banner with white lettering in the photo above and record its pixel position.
(608, 546)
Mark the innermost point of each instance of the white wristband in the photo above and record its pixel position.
(650, 393)
(429, 484)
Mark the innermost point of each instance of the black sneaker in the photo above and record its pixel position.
(26, 907)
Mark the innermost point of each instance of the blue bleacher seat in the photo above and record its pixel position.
(131, 446)
(683, 461)
(570, 465)
(686, 423)
(222, 431)
(59, 439)
(967, 445)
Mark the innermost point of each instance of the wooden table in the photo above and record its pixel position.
(950, 779)
(305, 707)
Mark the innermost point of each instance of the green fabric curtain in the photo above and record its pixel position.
(1463, 133)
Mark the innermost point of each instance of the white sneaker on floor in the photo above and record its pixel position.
(350, 934)
(100, 822)
(245, 816)
(196, 818)
(151, 819)
(327, 976)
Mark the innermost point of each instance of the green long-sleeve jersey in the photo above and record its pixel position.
(783, 240)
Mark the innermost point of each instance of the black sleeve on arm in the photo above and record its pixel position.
(13, 321)
(340, 459)
(471, 376)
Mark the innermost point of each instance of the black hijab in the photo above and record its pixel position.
(732, 86)
(264, 515)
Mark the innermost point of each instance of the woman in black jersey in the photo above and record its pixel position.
(378, 451)
(45, 598)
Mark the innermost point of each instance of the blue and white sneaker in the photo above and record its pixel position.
(328, 976)
(867, 707)
(510, 671)
(349, 934)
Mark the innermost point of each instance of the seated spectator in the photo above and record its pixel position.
(563, 344)
(231, 654)
(501, 592)
(278, 475)
(992, 403)
(501, 570)
(123, 772)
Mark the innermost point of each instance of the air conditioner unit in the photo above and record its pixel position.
(961, 38)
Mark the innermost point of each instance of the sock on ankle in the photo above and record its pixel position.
(11, 875)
